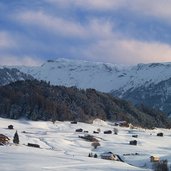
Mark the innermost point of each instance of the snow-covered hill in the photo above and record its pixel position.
(105, 77)
(62, 149)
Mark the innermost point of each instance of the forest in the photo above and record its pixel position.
(38, 100)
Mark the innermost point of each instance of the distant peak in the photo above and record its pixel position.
(50, 61)
(76, 62)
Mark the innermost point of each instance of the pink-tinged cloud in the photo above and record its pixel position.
(128, 51)
(98, 37)
(26, 61)
(109, 45)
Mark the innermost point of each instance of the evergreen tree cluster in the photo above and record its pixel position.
(38, 100)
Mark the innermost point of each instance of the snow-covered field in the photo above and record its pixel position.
(62, 149)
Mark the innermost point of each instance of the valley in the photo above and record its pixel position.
(62, 149)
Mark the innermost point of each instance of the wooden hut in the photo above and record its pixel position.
(4, 139)
(154, 159)
(135, 136)
(160, 134)
(79, 130)
(33, 145)
(109, 156)
(10, 127)
(73, 122)
(133, 142)
(95, 132)
(108, 132)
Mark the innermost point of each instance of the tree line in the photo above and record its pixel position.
(38, 100)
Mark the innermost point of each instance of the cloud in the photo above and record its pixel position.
(101, 30)
(6, 40)
(56, 24)
(154, 8)
(146, 51)
(101, 4)
(103, 41)
(27, 61)
(93, 28)
(125, 51)
(89, 4)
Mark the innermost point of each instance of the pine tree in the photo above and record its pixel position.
(95, 155)
(90, 155)
(16, 138)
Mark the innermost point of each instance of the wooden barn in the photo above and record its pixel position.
(85, 131)
(154, 159)
(109, 156)
(122, 123)
(10, 127)
(133, 142)
(160, 134)
(95, 132)
(4, 139)
(33, 145)
(135, 136)
(108, 132)
(73, 122)
(79, 130)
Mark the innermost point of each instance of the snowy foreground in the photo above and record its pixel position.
(62, 149)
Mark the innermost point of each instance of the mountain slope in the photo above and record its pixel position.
(157, 95)
(8, 75)
(82, 74)
(124, 82)
(39, 101)
(104, 77)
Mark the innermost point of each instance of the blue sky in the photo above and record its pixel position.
(115, 31)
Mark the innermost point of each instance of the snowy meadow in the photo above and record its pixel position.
(61, 147)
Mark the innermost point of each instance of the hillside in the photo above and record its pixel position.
(40, 101)
(105, 77)
(8, 75)
(157, 95)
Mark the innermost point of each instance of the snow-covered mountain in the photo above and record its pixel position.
(8, 75)
(81, 74)
(156, 95)
(149, 84)
(105, 77)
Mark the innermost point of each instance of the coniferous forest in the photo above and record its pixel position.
(38, 100)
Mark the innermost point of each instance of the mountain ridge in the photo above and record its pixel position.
(105, 77)
(126, 76)
(8, 75)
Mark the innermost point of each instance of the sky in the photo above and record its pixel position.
(113, 31)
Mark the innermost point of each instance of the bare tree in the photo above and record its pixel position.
(95, 144)
(115, 131)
